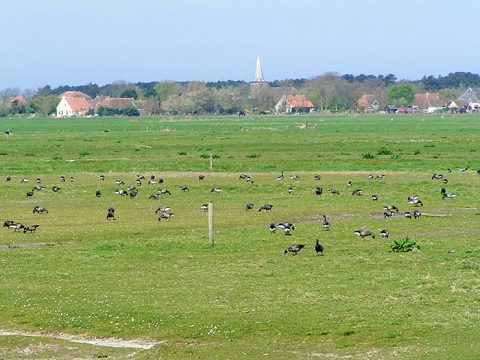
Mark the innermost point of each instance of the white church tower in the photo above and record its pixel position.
(259, 84)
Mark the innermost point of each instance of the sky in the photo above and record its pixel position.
(58, 42)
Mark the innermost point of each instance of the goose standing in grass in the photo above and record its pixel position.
(325, 223)
(101, 177)
(407, 214)
(384, 233)
(280, 177)
(318, 190)
(295, 177)
(333, 191)
(286, 227)
(387, 214)
(414, 200)
(317, 177)
(318, 248)
(374, 197)
(204, 207)
(357, 192)
(55, 188)
(446, 195)
(464, 169)
(166, 216)
(294, 249)
(201, 177)
(417, 214)
(184, 188)
(364, 233)
(290, 190)
(164, 209)
(249, 206)
(272, 227)
(390, 208)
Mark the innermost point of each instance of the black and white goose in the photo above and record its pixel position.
(446, 195)
(318, 190)
(272, 227)
(384, 233)
(417, 214)
(166, 216)
(266, 207)
(184, 188)
(290, 190)
(295, 177)
(164, 209)
(318, 248)
(390, 208)
(407, 214)
(249, 206)
(374, 197)
(281, 177)
(204, 207)
(357, 192)
(294, 249)
(216, 190)
(119, 182)
(364, 233)
(317, 177)
(325, 223)
(414, 200)
(333, 191)
(286, 227)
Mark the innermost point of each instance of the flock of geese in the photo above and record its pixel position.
(165, 213)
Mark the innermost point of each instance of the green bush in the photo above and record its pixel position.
(404, 245)
(384, 151)
(368, 156)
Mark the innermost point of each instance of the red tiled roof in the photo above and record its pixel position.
(299, 101)
(74, 94)
(366, 101)
(78, 104)
(424, 101)
(19, 99)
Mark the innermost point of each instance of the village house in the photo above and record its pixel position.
(428, 102)
(293, 104)
(371, 102)
(73, 103)
(16, 101)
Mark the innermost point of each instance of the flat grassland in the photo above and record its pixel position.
(140, 278)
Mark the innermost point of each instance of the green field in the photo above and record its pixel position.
(140, 278)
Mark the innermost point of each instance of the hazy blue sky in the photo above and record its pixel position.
(75, 42)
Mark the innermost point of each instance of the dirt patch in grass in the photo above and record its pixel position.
(85, 339)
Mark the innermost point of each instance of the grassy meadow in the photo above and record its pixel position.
(140, 278)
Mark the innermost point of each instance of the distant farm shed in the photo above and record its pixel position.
(293, 104)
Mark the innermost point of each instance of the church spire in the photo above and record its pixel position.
(258, 71)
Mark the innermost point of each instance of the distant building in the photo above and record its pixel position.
(368, 103)
(458, 105)
(16, 101)
(428, 102)
(73, 103)
(258, 84)
(293, 104)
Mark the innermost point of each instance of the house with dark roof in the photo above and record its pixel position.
(294, 104)
(428, 102)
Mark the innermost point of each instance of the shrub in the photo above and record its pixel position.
(207, 156)
(404, 245)
(182, 153)
(253, 156)
(384, 151)
(368, 156)
(417, 152)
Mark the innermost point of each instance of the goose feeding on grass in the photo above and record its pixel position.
(318, 190)
(384, 233)
(374, 197)
(266, 207)
(204, 207)
(390, 208)
(294, 249)
(290, 190)
(216, 190)
(249, 206)
(364, 233)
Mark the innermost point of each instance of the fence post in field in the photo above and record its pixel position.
(210, 223)
(211, 161)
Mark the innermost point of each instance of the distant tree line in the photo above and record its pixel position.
(328, 92)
